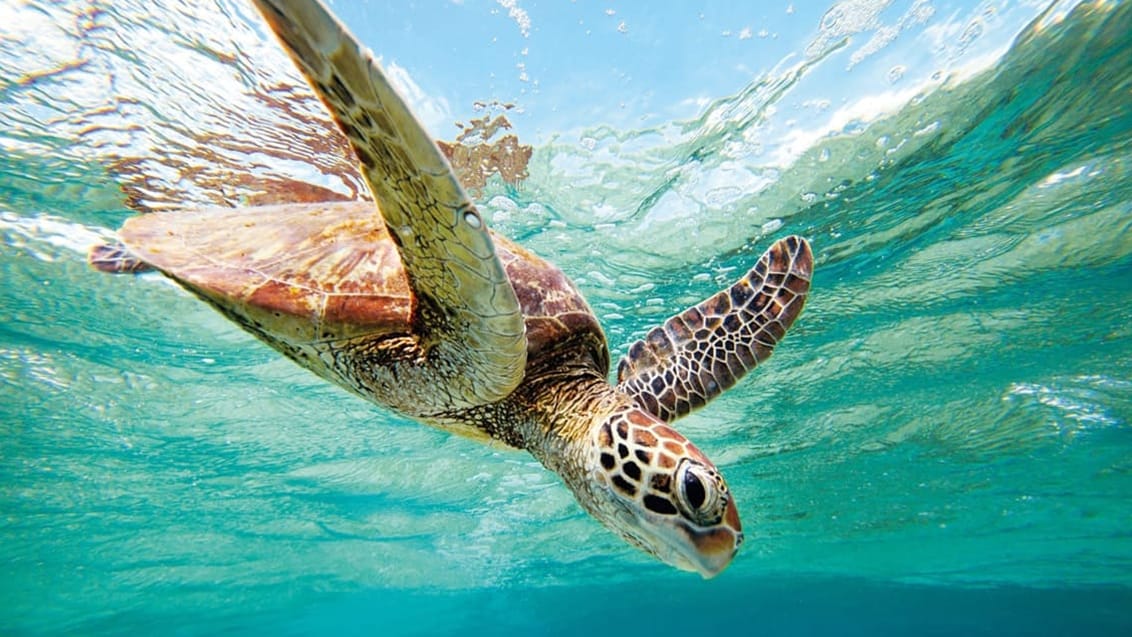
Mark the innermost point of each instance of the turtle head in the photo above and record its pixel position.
(657, 490)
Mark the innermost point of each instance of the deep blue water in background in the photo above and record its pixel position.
(942, 445)
(792, 606)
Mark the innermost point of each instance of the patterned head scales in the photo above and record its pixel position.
(666, 496)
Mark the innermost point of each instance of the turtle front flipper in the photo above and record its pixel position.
(697, 354)
(466, 313)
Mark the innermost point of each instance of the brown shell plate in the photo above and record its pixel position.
(312, 272)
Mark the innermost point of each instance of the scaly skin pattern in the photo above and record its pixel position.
(703, 351)
(634, 473)
(415, 305)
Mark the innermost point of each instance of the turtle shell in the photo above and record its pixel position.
(299, 274)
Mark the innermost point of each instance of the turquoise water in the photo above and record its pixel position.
(942, 445)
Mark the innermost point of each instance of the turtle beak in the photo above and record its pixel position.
(708, 551)
(714, 548)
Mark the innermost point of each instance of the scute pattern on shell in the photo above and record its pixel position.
(553, 308)
(314, 272)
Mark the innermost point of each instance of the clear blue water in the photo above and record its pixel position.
(941, 446)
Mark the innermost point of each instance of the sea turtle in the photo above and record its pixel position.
(416, 305)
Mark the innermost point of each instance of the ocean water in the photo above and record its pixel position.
(942, 445)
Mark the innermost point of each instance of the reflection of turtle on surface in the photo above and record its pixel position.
(422, 309)
(475, 157)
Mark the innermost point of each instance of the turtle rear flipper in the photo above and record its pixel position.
(697, 354)
(115, 258)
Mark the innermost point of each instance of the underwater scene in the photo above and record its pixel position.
(941, 444)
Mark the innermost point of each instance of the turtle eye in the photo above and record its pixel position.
(694, 490)
(699, 493)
